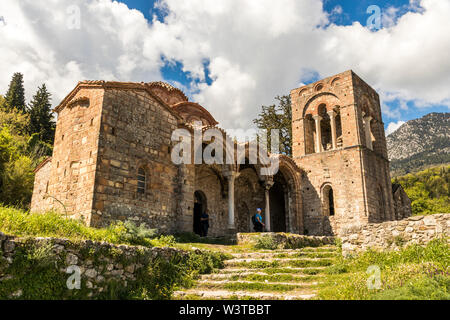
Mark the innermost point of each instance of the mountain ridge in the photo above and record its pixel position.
(420, 143)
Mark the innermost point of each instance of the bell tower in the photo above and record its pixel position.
(339, 140)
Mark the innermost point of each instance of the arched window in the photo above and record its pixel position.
(142, 180)
(328, 201)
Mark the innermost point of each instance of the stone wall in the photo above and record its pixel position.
(100, 263)
(286, 240)
(339, 141)
(394, 234)
(135, 133)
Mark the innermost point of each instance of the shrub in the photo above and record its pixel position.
(266, 242)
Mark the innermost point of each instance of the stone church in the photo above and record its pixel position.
(112, 161)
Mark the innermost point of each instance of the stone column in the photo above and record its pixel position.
(231, 177)
(368, 131)
(332, 115)
(267, 185)
(318, 134)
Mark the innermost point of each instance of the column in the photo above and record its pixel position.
(332, 115)
(231, 177)
(318, 134)
(368, 132)
(267, 185)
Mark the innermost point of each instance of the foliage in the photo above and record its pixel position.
(429, 190)
(36, 270)
(17, 182)
(266, 242)
(17, 122)
(15, 97)
(278, 117)
(414, 272)
(138, 235)
(20, 153)
(41, 118)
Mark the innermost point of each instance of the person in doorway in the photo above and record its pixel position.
(204, 221)
(258, 225)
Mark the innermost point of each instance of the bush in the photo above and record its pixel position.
(266, 242)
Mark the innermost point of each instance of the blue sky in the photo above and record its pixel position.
(232, 56)
(349, 12)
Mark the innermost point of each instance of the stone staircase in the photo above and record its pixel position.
(265, 275)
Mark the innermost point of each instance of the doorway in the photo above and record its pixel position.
(200, 206)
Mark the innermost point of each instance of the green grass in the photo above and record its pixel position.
(300, 263)
(272, 278)
(253, 286)
(414, 272)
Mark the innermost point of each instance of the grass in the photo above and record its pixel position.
(414, 272)
(272, 278)
(262, 264)
(254, 286)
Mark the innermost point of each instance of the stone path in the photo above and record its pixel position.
(265, 275)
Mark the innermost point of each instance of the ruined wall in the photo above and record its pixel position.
(340, 169)
(394, 234)
(39, 202)
(101, 265)
(135, 133)
(74, 160)
(402, 204)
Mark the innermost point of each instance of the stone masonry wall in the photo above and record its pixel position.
(393, 234)
(135, 133)
(99, 263)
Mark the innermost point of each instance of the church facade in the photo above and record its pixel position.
(113, 160)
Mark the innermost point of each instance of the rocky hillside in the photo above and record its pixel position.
(420, 143)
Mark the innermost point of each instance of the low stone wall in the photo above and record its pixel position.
(396, 234)
(98, 264)
(285, 240)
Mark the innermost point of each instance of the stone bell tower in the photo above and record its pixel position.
(339, 141)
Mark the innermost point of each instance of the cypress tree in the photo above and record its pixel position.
(41, 118)
(15, 97)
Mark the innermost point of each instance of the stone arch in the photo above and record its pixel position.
(328, 98)
(292, 174)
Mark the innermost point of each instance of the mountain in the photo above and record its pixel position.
(420, 143)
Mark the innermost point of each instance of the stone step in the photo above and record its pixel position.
(257, 286)
(283, 270)
(286, 255)
(273, 263)
(306, 249)
(221, 283)
(241, 294)
(241, 275)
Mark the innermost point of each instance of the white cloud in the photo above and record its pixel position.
(393, 126)
(257, 49)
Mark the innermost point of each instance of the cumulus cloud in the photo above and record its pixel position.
(253, 49)
(393, 126)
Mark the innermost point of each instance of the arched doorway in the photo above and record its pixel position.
(278, 203)
(200, 206)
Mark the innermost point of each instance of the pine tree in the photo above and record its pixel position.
(15, 97)
(41, 118)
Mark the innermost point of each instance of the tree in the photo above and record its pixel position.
(15, 97)
(278, 117)
(2, 102)
(41, 118)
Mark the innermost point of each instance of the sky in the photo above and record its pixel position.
(233, 56)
